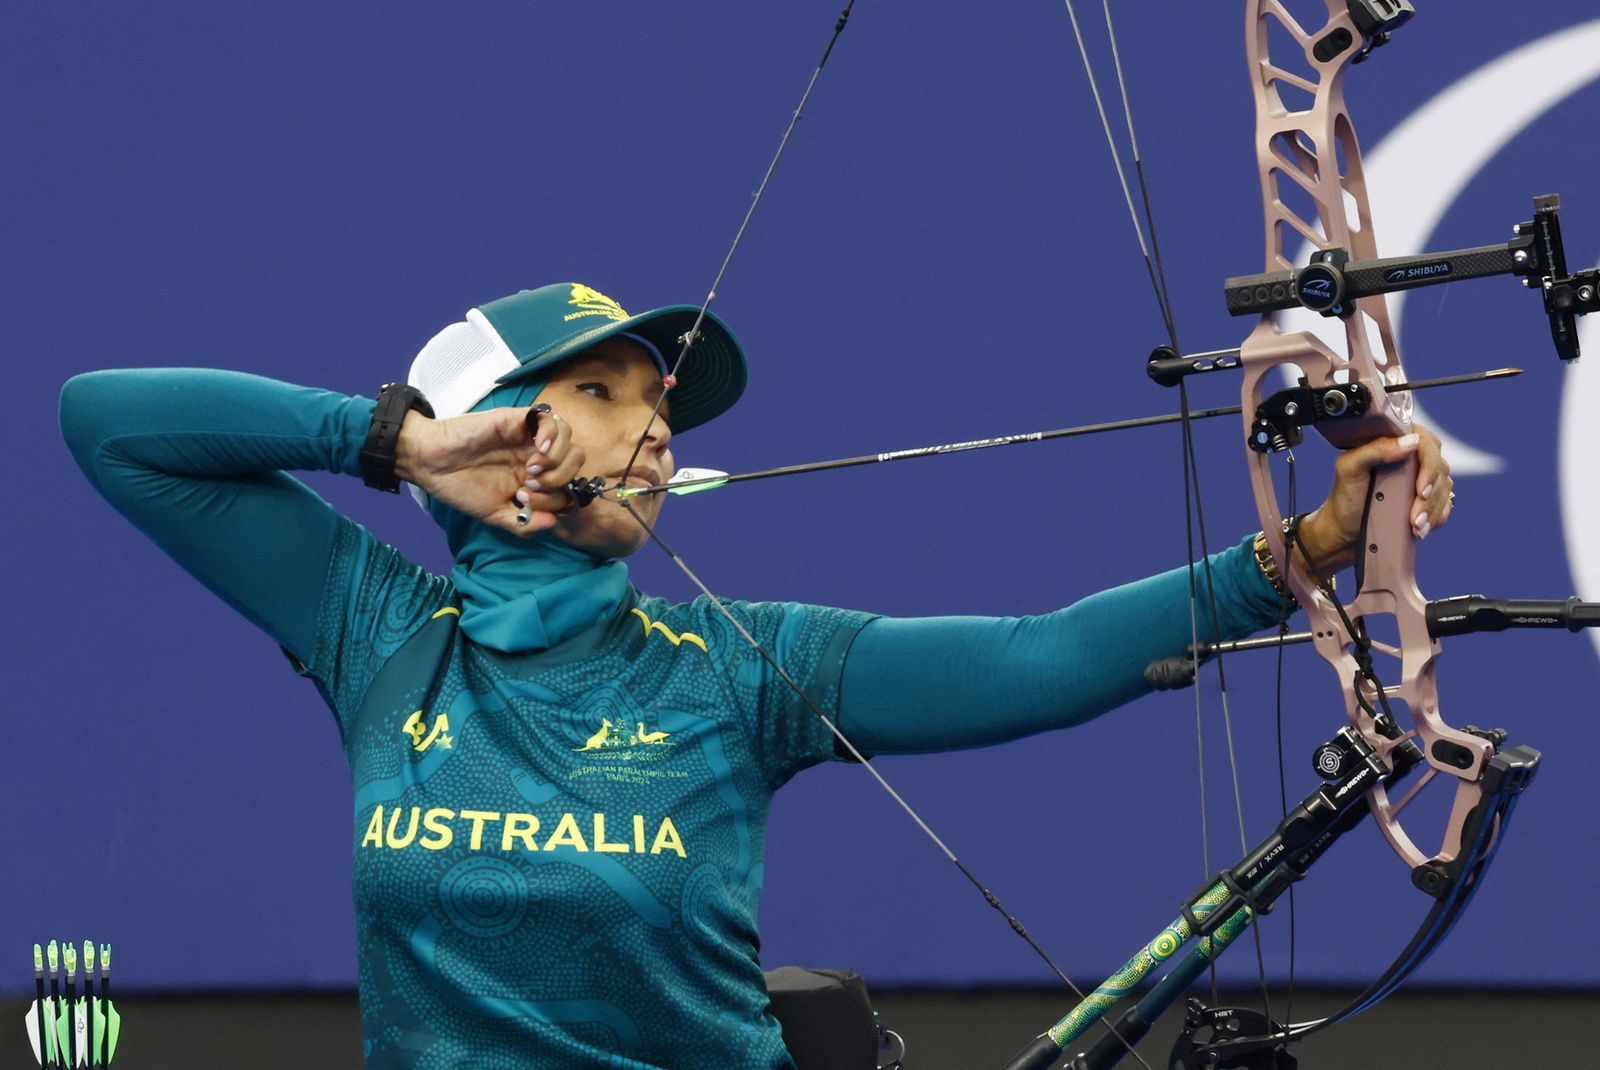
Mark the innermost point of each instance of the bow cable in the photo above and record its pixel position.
(1194, 509)
(1158, 279)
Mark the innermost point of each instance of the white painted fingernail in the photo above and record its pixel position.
(523, 496)
(1427, 492)
(543, 446)
(1424, 527)
(1407, 441)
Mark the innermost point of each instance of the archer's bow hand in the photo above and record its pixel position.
(1330, 536)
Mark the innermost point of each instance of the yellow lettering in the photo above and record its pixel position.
(435, 826)
(667, 839)
(478, 817)
(411, 833)
(566, 835)
(374, 836)
(600, 843)
(518, 830)
(519, 827)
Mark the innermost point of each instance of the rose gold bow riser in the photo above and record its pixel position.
(1311, 157)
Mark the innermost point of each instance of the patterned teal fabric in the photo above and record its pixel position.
(536, 833)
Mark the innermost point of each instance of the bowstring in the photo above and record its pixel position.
(1285, 607)
(1194, 509)
(850, 748)
(687, 341)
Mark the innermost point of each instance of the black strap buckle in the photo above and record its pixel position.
(378, 452)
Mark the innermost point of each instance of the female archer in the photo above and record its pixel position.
(561, 783)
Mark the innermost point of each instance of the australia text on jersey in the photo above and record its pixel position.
(439, 827)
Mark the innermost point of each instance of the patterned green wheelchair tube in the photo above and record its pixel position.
(1046, 1050)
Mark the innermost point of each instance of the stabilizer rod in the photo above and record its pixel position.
(1446, 616)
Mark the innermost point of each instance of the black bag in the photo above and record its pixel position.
(827, 1018)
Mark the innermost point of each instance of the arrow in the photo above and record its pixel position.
(53, 1007)
(694, 480)
(87, 1008)
(67, 1020)
(108, 1023)
(38, 1016)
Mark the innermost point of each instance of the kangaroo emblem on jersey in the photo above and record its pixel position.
(599, 739)
(592, 302)
(616, 739)
(424, 737)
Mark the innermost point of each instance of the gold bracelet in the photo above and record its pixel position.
(1269, 568)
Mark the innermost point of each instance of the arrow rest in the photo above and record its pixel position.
(1279, 419)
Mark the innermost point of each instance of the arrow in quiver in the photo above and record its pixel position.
(72, 1029)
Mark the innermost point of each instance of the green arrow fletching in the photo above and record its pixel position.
(696, 488)
(683, 481)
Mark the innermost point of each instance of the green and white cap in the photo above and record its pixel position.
(525, 335)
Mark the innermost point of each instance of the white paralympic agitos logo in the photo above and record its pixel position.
(1416, 174)
(1580, 469)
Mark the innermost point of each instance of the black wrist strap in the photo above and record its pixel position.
(377, 454)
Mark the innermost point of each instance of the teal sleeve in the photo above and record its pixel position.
(944, 683)
(196, 459)
(812, 644)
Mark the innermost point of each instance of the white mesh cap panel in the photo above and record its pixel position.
(459, 365)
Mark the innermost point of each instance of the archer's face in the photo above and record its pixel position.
(606, 395)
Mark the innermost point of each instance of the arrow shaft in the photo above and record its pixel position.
(1012, 440)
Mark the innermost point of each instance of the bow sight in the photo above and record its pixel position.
(1331, 283)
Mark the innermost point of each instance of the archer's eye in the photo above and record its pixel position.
(598, 390)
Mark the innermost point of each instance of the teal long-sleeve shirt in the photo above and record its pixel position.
(558, 853)
(197, 460)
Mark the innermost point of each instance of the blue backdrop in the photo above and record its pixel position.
(310, 190)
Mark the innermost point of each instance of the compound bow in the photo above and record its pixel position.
(1314, 192)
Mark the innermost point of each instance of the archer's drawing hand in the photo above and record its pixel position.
(479, 464)
(1330, 535)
